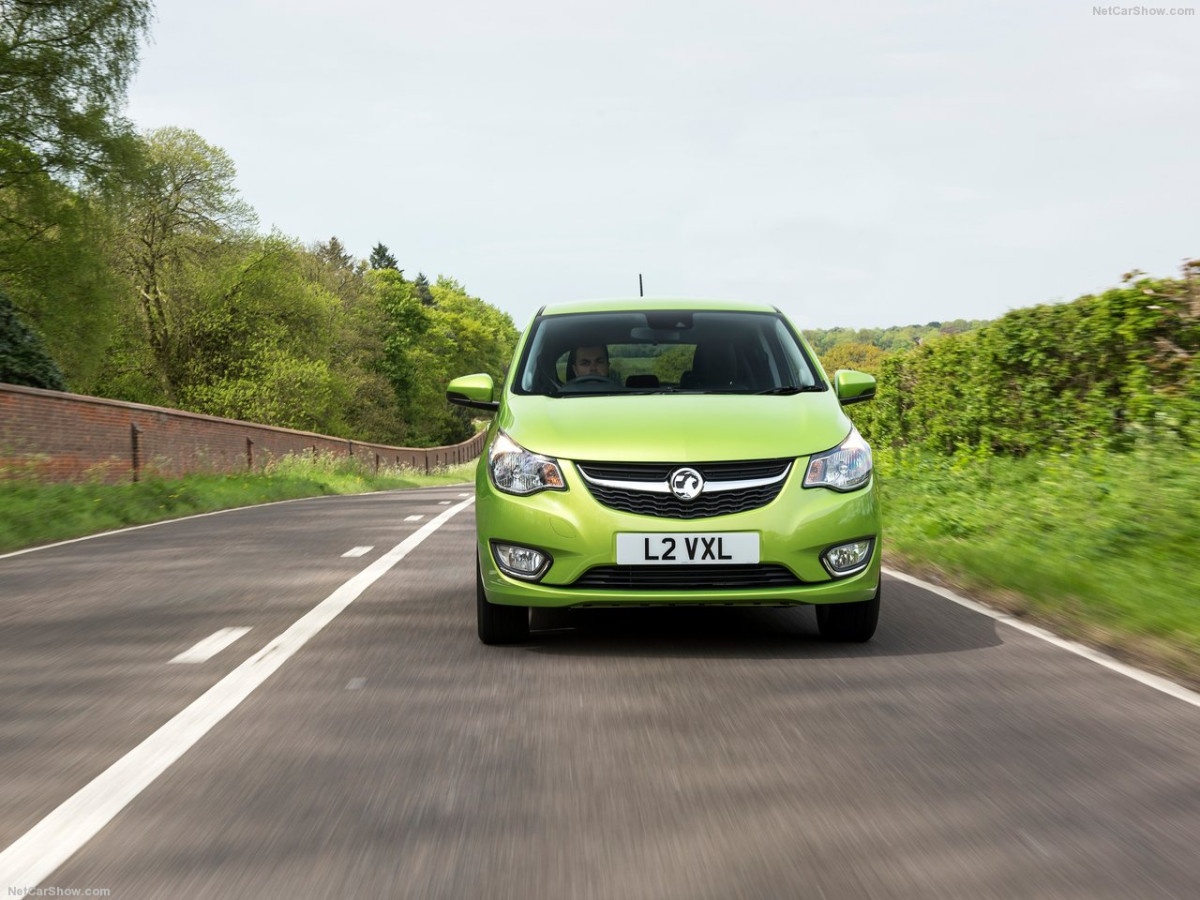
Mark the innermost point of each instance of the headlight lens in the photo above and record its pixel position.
(846, 467)
(515, 470)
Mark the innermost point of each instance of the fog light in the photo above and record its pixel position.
(847, 559)
(520, 562)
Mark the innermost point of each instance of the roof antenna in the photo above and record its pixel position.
(641, 293)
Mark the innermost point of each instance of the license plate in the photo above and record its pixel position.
(688, 548)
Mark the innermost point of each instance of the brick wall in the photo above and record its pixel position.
(66, 437)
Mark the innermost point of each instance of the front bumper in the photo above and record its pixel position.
(579, 533)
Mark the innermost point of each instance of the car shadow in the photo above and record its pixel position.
(912, 622)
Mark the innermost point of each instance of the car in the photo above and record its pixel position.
(652, 452)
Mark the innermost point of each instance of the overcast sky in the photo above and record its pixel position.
(864, 165)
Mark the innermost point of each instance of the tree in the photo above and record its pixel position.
(181, 206)
(64, 69)
(334, 253)
(343, 273)
(55, 266)
(852, 355)
(422, 291)
(462, 335)
(23, 358)
(382, 258)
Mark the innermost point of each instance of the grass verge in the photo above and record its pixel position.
(33, 512)
(1103, 547)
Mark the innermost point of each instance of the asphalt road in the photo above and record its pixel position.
(383, 752)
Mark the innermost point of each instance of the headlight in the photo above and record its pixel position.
(846, 467)
(515, 470)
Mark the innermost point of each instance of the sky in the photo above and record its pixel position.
(865, 165)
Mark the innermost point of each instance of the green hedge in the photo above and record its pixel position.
(1101, 371)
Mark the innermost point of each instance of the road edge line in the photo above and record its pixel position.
(1158, 682)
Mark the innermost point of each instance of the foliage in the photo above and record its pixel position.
(23, 359)
(177, 214)
(1100, 371)
(460, 334)
(422, 291)
(382, 258)
(893, 339)
(54, 264)
(1076, 539)
(64, 68)
(852, 355)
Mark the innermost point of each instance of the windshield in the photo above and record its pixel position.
(664, 351)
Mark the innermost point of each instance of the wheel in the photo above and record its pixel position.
(851, 622)
(498, 624)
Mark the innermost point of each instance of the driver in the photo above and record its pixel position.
(588, 361)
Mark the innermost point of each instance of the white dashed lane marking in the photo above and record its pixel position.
(210, 646)
(413, 518)
(357, 551)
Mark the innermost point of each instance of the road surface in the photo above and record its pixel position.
(345, 735)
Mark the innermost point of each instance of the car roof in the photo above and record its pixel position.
(638, 304)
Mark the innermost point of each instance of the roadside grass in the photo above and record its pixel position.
(34, 512)
(1103, 547)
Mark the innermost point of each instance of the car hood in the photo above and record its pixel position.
(675, 427)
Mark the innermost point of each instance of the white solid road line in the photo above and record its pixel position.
(53, 840)
(1178, 691)
(210, 646)
(357, 551)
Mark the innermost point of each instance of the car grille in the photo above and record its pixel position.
(686, 578)
(652, 500)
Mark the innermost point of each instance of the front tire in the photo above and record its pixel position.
(849, 622)
(498, 624)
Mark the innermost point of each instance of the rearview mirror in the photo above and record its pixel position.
(473, 392)
(852, 386)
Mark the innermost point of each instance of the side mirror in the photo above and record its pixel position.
(473, 392)
(853, 387)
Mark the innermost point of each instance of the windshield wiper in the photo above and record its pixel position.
(788, 391)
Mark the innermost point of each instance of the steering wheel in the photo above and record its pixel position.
(591, 379)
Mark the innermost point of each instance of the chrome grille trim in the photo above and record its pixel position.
(643, 488)
(661, 487)
(710, 487)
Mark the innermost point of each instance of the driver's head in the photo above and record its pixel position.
(588, 361)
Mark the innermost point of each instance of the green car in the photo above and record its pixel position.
(648, 452)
